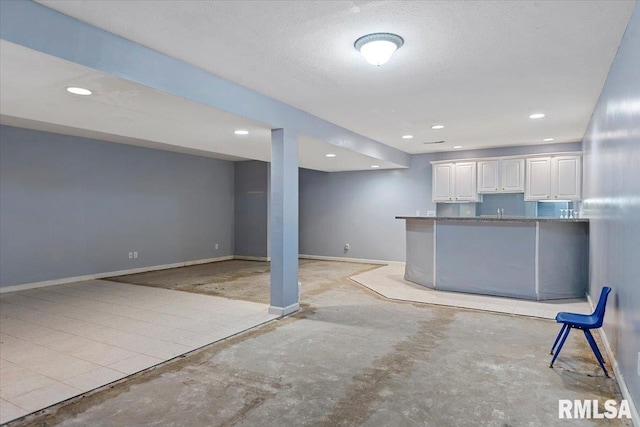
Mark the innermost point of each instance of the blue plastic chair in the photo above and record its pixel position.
(585, 322)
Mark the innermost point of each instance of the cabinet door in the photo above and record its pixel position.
(489, 176)
(465, 182)
(538, 182)
(512, 175)
(566, 177)
(442, 185)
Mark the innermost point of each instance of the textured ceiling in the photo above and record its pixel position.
(480, 68)
(34, 96)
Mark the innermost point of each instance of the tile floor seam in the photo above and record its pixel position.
(56, 314)
(33, 389)
(15, 404)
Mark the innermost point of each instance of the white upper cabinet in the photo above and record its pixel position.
(553, 178)
(566, 177)
(512, 175)
(538, 179)
(454, 182)
(501, 176)
(442, 185)
(465, 182)
(489, 176)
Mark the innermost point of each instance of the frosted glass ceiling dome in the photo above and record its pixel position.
(378, 48)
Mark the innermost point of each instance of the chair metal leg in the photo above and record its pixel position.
(564, 338)
(564, 326)
(596, 350)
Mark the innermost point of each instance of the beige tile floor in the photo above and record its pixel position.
(389, 282)
(61, 341)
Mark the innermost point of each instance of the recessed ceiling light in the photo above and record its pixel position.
(241, 132)
(437, 127)
(548, 139)
(375, 166)
(536, 116)
(407, 136)
(79, 91)
(330, 155)
(457, 146)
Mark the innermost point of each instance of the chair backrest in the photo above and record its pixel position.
(602, 305)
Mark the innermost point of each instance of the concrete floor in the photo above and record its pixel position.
(244, 280)
(350, 358)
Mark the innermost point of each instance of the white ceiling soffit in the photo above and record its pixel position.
(33, 95)
(479, 68)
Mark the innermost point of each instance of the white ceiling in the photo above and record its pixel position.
(480, 68)
(33, 95)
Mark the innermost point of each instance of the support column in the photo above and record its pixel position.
(284, 222)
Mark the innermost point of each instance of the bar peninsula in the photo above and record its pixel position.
(518, 257)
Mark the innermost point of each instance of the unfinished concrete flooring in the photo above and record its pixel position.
(245, 280)
(351, 358)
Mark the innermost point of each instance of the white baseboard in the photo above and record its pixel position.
(42, 284)
(252, 258)
(54, 282)
(635, 417)
(279, 311)
(359, 260)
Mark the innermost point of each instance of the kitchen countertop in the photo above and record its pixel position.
(494, 218)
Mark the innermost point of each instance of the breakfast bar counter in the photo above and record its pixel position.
(528, 258)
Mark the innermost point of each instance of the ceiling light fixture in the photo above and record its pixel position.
(436, 127)
(330, 155)
(241, 132)
(548, 139)
(456, 147)
(536, 116)
(79, 91)
(375, 166)
(377, 48)
(407, 136)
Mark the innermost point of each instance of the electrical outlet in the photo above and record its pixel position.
(346, 246)
(135, 254)
(216, 246)
(130, 255)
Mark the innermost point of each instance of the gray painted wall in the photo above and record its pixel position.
(72, 206)
(612, 201)
(251, 207)
(359, 208)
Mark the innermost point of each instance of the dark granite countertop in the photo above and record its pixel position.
(493, 218)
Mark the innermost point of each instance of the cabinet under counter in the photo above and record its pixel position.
(528, 258)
